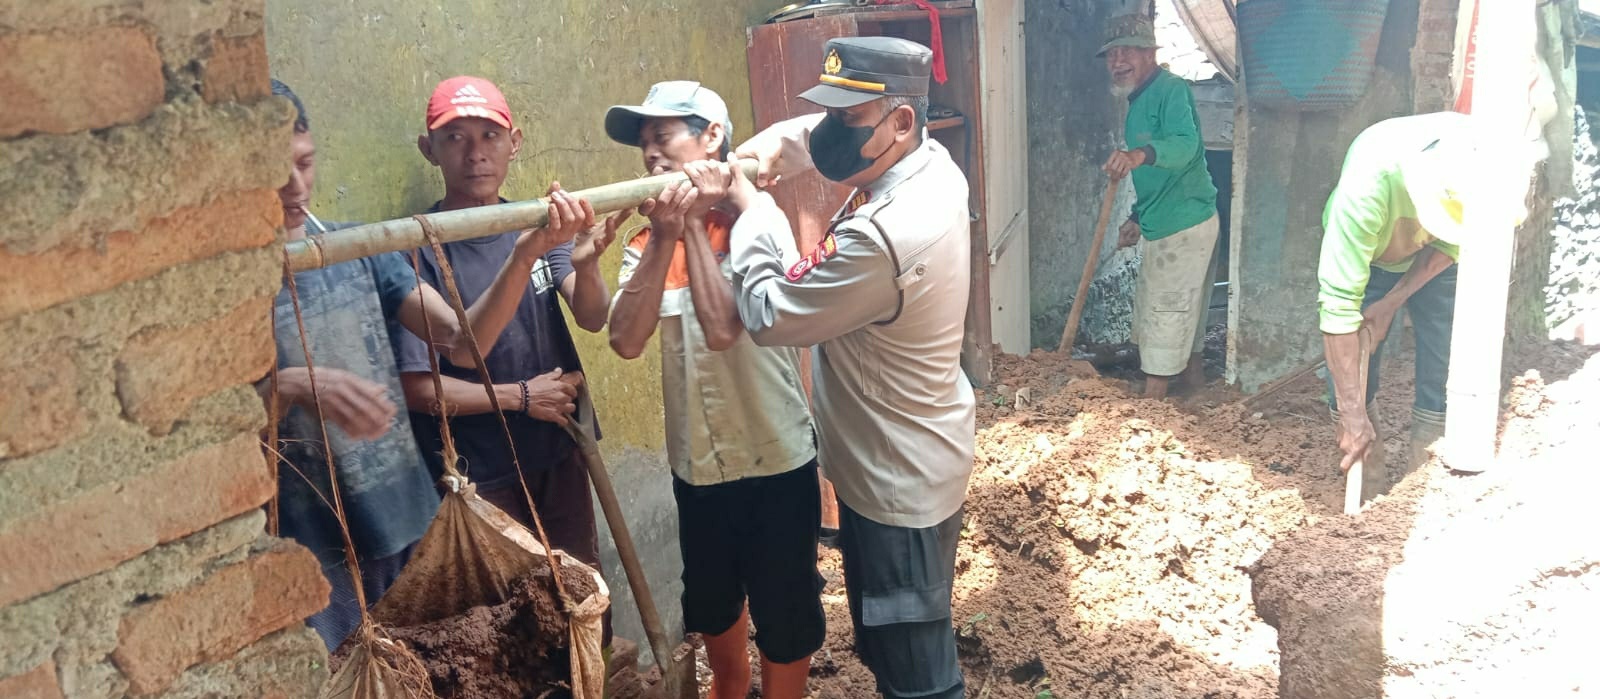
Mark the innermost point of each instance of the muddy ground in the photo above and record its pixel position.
(1109, 539)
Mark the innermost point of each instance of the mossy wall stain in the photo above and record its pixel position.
(365, 69)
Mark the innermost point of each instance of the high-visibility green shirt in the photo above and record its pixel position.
(1174, 190)
(1369, 220)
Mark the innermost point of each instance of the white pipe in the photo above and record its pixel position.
(1506, 37)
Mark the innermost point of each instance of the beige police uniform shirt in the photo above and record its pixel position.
(884, 300)
(738, 413)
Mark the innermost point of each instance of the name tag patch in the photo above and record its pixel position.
(824, 250)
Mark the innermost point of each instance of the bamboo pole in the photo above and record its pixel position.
(1506, 36)
(317, 251)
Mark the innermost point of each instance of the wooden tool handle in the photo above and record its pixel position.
(313, 252)
(1352, 486)
(612, 508)
(1069, 334)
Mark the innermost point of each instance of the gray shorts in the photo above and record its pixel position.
(1173, 296)
(898, 580)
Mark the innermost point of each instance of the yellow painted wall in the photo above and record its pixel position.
(365, 69)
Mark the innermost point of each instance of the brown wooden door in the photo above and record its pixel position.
(785, 60)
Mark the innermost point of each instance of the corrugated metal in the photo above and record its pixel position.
(1214, 28)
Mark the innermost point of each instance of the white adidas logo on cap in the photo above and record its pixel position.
(468, 94)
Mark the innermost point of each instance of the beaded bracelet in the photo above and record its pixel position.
(524, 386)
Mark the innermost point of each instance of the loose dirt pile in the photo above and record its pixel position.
(511, 650)
(1459, 586)
(1108, 536)
(1107, 539)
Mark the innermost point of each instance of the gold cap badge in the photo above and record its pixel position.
(832, 65)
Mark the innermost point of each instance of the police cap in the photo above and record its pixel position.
(857, 70)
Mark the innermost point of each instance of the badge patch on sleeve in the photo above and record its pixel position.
(824, 250)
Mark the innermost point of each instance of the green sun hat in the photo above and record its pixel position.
(1129, 30)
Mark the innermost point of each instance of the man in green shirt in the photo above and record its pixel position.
(1175, 210)
(1390, 233)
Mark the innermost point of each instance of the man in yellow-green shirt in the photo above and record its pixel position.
(1390, 232)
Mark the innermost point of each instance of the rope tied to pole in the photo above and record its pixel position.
(447, 276)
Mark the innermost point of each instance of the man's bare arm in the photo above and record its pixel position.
(710, 291)
(1424, 267)
(490, 314)
(637, 310)
(586, 294)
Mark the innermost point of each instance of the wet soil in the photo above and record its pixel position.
(512, 650)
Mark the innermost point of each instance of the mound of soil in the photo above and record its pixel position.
(1108, 537)
(1458, 585)
(1109, 540)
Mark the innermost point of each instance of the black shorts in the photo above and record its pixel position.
(755, 539)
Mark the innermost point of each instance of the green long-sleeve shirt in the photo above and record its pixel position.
(1369, 220)
(1174, 189)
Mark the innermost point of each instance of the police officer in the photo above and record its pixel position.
(884, 299)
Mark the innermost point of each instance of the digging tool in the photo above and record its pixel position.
(1069, 334)
(654, 632)
(316, 251)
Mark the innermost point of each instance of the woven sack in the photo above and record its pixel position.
(1309, 55)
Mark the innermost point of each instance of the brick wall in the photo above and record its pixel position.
(1433, 56)
(139, 151)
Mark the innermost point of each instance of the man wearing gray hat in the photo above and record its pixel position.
(883, 297)
(1175, 210)
(739, 434)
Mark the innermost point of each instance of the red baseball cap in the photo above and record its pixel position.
(467, 96)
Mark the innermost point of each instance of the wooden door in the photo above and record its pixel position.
(785, 60)
(1002, 72)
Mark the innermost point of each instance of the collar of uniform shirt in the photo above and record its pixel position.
(908, 166)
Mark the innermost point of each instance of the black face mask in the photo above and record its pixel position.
(836, 147)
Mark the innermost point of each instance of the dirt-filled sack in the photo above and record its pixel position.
(478, 604)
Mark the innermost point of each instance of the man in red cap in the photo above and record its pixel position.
(353, 314)
(471, 138)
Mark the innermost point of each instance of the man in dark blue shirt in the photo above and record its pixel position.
(352, 313)
(534, 366)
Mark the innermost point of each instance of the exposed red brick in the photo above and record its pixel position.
(38, 683)
(236, 70)
(62, 83)
(218, 616)
(39, 405)
(115, 522)
(236, 221)
(162, 371)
